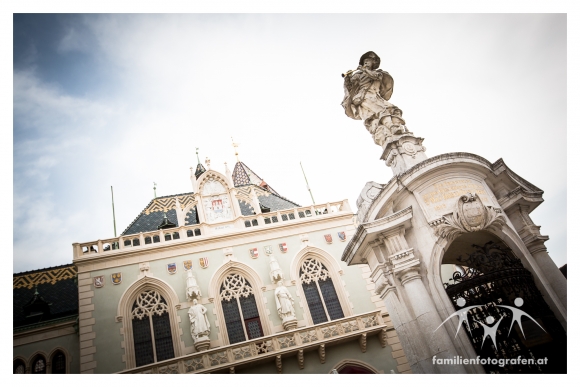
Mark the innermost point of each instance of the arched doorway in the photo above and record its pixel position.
(506, 316)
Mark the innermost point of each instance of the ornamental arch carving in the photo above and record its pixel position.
(309, 268)
(232, 273)
(125, 314)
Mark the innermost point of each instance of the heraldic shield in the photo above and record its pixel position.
(187, 265)
(283, 247)
(116, 278)
(203, 262)
(328, 238)
(254, 252)
(171, 268)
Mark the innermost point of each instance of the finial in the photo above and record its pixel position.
(154, 190)
(36, 290)
(207, 161)
(235, 145)
(197, 154)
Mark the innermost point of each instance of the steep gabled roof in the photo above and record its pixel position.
(243, 175)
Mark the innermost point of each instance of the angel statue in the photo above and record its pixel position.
(366, 92)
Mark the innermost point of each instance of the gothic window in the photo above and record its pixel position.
(240, 309)
(58, 363)
(19, 367)
(189, 233)
(176, 235)
(151, 328)
(39, 365)
(319, 291)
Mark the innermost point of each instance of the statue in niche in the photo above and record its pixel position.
(199, 325)
(192, 289)
(366, 93)
(284, 305)
(276, 273)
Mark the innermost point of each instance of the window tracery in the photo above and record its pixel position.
(319, 291)
(240, 309)
(151, 328)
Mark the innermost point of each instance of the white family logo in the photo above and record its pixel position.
(490, 330)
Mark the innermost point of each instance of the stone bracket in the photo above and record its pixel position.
(322, 353)
(363, 342)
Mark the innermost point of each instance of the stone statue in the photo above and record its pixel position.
(366, 92)
(192, 289)
(276, 273)
(284, 302)
(199, 326)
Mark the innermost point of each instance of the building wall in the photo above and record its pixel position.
(27, 347)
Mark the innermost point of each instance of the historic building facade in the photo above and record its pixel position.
(230, 278)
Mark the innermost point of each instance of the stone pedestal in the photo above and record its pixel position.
(289, 323)
(201, 343)
(403, 151)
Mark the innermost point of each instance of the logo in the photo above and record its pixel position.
(268, 250)
(171, 268)
(99, 281)
(204, 263)
(254, 252)
(283, 247)
(490, 325)
(187, 265)
(328, 238)
(116, 278)
(342, 236)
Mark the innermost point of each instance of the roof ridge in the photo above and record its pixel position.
(45, 269)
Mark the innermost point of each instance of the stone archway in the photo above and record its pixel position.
(488, 282)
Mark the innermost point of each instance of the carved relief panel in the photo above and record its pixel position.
(216, 201)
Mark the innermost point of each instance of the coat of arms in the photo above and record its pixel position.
(283, 247)
(342, 236)
(328, 238)
(268, 250)
(203, 262)
(116, 278)
(187, 265)
(99, 281)
(254, 252)
(171, 268)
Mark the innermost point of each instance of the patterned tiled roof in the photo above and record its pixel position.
(152, 216)
(199, 171)
(243, 175)
(55, 286)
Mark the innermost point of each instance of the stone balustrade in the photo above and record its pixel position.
(275, 347)
(173, 235)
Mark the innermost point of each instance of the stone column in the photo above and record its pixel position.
(435, 342)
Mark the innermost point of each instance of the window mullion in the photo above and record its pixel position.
(242, 317)
(322, 300)
(152, 338)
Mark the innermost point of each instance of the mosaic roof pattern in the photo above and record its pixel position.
(57, 286)
(243, 175)
(199, 170)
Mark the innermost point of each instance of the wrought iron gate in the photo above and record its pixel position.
(492, 277)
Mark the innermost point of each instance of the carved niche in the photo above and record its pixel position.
(470, 215)
(216, 201)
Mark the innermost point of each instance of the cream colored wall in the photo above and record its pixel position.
(68, 343)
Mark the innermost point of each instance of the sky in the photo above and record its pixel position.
(123, 100)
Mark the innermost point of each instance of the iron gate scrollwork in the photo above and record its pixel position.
(493, 278)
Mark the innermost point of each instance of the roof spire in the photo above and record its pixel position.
(307, 186)
(197, 154)
(235, 145)
(154, 190)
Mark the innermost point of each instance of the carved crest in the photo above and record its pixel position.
(342, 236)
(283, 247)
(268, 250)
(254, 252)
(171, 268)
(328, 238)
(116, 278)
(187, 265)
(99, 281)
(203, 262)
(469, 215)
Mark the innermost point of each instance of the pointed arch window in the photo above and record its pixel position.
(19, 367)
(240, 309)
(151, 328)
(319, 291)
(39, 365)
(58, 363)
